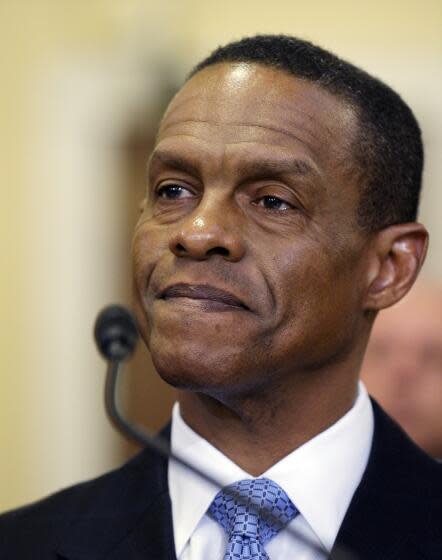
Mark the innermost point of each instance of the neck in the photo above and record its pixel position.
(257, 430)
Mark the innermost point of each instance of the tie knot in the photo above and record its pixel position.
(262, 510)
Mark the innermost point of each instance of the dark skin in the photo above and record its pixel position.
(255, 288)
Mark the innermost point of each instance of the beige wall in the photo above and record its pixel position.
(65, 61)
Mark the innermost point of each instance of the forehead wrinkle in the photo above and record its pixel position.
(267, 166)
(291, 109)
(212, 101)
(285, 163)
(271, 165)
(157, 150)
(176, 103)
(243, 125)
(177, 135)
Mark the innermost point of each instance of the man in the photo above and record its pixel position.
(403, 364)
(279, 219)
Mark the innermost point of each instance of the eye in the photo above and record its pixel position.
(273, 203)
(172, 191)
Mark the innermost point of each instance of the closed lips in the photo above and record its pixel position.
(202, 291)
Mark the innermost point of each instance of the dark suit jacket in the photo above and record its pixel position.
(395, 514)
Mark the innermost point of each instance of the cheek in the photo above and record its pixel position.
(147, 247)
(320, 301)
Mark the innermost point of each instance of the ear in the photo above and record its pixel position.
(397, 255)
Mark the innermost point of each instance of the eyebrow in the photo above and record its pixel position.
(261, 168)
(173, 161)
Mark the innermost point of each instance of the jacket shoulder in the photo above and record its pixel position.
(38, 526)
(396, 510)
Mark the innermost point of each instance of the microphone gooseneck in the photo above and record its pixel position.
(116, 335)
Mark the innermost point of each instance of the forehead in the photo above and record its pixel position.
(250, 103)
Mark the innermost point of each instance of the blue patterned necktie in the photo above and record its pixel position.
(248, 530)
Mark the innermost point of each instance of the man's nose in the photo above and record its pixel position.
(209, 232)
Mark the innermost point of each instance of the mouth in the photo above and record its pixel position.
(210, 296)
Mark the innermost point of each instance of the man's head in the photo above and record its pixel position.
(387, 149)
(257, 189)
(403, 364)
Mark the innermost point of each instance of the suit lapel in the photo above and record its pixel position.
(152, 538)
(148, 538)
(387, 516)
(126, 515)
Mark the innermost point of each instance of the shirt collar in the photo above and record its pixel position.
(338, 454)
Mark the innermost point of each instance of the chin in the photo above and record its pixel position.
(189, 371)
(193, 368)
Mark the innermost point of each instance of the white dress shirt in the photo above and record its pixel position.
(320, 478)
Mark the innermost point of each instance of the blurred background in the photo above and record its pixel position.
(83, 84)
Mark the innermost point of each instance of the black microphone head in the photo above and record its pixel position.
(116, 333)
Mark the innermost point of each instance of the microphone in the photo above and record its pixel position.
(116, 335)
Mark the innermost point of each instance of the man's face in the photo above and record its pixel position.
(247, 256)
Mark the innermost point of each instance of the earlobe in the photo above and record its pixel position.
(398, 254)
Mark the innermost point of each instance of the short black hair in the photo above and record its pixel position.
(388, 151)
